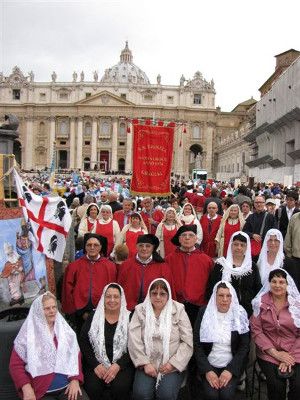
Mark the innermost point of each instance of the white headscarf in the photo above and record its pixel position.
(176, 221)
(227, 263)
(235, 318)
(36, 347)
(164, 325)
(293, 297)
(263, 266)
(188, 219)
(96, 332)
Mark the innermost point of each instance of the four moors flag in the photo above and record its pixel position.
(49, 218)
(152, 160)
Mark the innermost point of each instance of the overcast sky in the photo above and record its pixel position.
(232, 41)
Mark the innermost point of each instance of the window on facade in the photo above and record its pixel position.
(122, 128)
(105, 128)
(63, 128)
(170, 99)
(88, 95)
(62, 142)
(42, 96)
(16, 94)
(42, 128)
(121, 143)
(88, 128)
(148, 97)
(238, 167)
(196, 132)
(197, 98)
(123, 95)
(87, 142)
(63, 96)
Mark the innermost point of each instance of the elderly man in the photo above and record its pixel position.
(258, 223)
(190, 269)
(122, 216)
(292, 247)
(85, 279)
(113, 202)
(136, 273)
(150, 216)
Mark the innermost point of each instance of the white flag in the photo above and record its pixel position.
(49, 218)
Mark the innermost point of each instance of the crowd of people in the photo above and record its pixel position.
(166, 291)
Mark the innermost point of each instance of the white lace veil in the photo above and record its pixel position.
(35, 345)
(263, 266)
(293, 297)
(164, 325)
(227, 263)
(96, 332)
(236, 317)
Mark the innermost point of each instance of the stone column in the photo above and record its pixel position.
(28, 148)
(79, 161)
(94, 144)
(209, 148)
(114, 146)
(128, 161)
(72, 143)
(51, 140)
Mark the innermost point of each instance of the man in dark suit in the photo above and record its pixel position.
(284, 213)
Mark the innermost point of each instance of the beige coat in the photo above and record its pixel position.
(181, 339)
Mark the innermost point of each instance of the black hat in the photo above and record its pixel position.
(102, 240)
(149, 238)
(181, 230)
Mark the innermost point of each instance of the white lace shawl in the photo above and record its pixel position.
(227, 263)
(188, 219)
(263, 266)
(96, 332)
(164, 325)
(235, 319)
(293, 297)
(36, 347)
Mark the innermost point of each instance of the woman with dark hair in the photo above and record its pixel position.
(108, 370)
(136, 273)
(46, 362)
(246, 208)
(85, 278)
(221, 342)
(160, 344)
(88, 221)
(275, 327)
(238, 269)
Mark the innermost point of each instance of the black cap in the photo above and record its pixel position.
(102, 240)
(181, 230)
(149, 238)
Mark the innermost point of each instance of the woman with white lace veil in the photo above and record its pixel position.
(275, 327)
(221, 342)
(165, 231)
(103, 341)
(238, 269)
(46, 361)
(271, 255)
(160, 344)
(188, 216)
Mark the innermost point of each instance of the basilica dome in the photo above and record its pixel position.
(125, 71)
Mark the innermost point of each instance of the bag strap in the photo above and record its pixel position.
(263, 224)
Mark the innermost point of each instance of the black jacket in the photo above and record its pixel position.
(239, 349)
(282, 219)
(254, 223)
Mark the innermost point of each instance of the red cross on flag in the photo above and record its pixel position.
(49, 218)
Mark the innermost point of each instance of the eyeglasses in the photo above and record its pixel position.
(259, 202)
(187, 235)
(93, 245)
(158, 294)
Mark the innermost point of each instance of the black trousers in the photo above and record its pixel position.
(277, 386)
(226, 393)
(118, 389)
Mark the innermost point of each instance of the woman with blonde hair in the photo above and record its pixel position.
(166, 229)
(231, 222)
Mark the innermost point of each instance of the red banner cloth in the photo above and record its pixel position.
(152, 160)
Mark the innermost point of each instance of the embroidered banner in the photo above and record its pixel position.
(152, 160)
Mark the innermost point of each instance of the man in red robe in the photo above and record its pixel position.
(85, 279)
(136, 273)
(190, 270)
(150, 216)
(122, 216)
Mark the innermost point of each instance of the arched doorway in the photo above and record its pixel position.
(195, 159)
(104, 160)
(87, 164)
(17, 149)
(121, 165)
